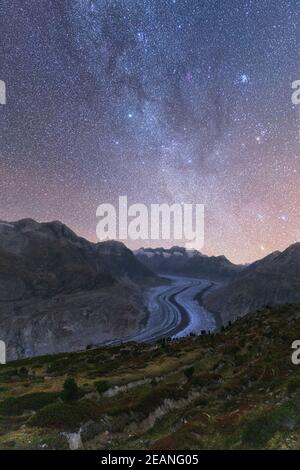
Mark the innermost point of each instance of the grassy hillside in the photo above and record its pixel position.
(235, 390)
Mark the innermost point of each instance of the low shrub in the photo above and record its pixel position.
(293, 385)
(23, 371)
(189, 372)
(155, 398)
(260, 429)
(102, 386)
(205, 379)
(68, 416)
(30, 401)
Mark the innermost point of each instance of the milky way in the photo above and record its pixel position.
(162, 101)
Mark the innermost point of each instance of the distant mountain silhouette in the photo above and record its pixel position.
(178, 260)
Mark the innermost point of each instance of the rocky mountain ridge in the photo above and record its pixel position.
(60, 292)
(272, 280)
(179, 261)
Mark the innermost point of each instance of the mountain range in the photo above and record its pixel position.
(177, 260)
(272, 280)
(61, 292)
(241, 289)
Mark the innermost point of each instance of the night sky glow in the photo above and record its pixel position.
(160, 100)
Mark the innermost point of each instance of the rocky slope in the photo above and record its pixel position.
(178, 260)
(235, 390)
(274, 279)
(48, 258)
(60, 292)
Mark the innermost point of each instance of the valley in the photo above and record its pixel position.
(158, 349)
(173, 311)
(60, 292)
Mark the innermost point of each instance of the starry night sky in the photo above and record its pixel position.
(162, 101)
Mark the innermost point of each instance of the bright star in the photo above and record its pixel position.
(244, 78)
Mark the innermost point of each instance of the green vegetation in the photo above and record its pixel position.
(234, 390)
(258, 431)
(70, 390)
(29, 402)
(189, 372)
(67, 416)
(102, 386)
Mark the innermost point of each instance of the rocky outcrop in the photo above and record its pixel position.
(70, 322)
